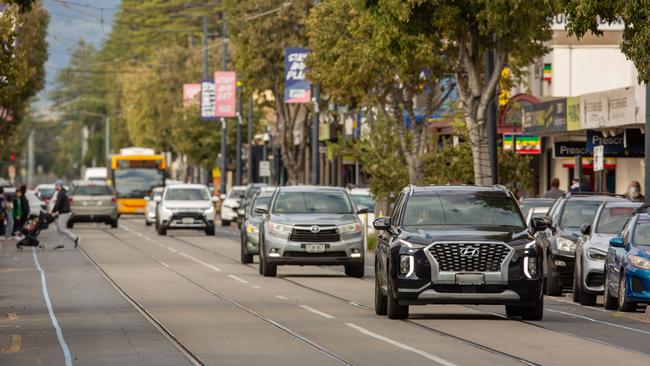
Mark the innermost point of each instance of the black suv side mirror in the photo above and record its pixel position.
(585, 229)
(382, 223)
(538, 223)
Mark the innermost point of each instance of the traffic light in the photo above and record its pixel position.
(12, 157)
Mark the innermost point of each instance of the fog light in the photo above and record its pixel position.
(406, 265)
(274, 252)
(559, 263)
(354, 253)
(530, 267)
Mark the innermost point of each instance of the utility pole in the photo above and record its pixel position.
(107, 137)
(238, 157)
(491, 119)
(314, 135)
(251, 165)
(30, 159)
(206, 72)
(224, 130)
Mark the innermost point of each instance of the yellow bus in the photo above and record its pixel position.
(134, 173)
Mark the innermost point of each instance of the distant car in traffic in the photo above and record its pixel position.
(96, 174)
(185, 206)
(528, 204)
(231, 204)
(251, 221)
(249, 193)
(536, 212)
(150, 207)
(311, 225)
(93, 202)
(565, 218)
(627, 265)
(592, 247)
(36, 206)
(363, 198)
(44, 192)
(458, 245)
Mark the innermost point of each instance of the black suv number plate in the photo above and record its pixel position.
(470, 279)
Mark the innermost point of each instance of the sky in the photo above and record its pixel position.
(70, 21)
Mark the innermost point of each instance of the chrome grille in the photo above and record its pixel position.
(307, 236)
(478, 257)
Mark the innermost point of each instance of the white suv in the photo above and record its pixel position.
(185, 206)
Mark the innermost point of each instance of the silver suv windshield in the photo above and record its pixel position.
(577, 213)
(323, 202)
(612, 219)
(483, 209)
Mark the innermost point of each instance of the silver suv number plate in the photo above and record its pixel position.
(314, 248)
(470, 279)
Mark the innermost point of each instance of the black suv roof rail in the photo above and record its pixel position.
(581, 194)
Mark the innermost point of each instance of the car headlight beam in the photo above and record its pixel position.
(280, 230)
(595, 254)
(639, 262)
(565, 245)
(354, 227)
(406, 265)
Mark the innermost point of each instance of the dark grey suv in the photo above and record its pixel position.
(309, 225)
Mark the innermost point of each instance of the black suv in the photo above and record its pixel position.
(458, 245)
(564, 220)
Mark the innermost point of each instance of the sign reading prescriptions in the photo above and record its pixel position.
(297, 89)
(191, 93)
(225, 94)
(207, 100)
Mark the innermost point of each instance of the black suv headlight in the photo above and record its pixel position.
(406, 265)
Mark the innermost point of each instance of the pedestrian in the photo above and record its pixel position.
(575, 186)
(24, 202)
(19, 211)
(61, 211)
(634, 192)
(8, 209)
(3, 210)
(555, 191)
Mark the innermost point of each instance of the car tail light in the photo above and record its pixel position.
(70, 199)
(114, 200)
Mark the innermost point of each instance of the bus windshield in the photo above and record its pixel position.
(137, 182)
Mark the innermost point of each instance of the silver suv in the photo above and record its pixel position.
(313, 226)
(185, 206)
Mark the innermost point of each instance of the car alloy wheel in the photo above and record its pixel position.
(380, 299)
(623, 303)
(609, 302)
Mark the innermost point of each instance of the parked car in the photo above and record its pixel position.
(249, 193)
(627, 265)
(44, 192)
(311, 225)
(251, 221)
(565, 218)
(592, 246)
(363, 198)
(527, 204)
(535, 212)
(150, 208)
(230, 205)
(96, 174)
(93, 202)
(185, 206)
(36, 206)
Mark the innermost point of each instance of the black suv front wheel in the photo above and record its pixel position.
(393, 308)
(380, 299)
(535, 312)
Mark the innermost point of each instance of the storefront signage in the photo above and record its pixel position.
(559, 23)
(528, 145)
(546, 117)
(573, 120)
(621, 107)
(627, 144)
(569, 149)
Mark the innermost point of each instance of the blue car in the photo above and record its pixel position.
(627, 266)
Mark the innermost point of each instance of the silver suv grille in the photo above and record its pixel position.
(469, 257)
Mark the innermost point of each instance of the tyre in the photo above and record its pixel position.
(393, 308)
(575, 290)
(162, 231)
(245, 257)
(586, 298)
(380, 299)
(147, 223)
(354, 270)
(70, 224)
(266, 269)
(609, 301)
(225, 223)
(209, 231)
(512, 310)
(113, 224)
(535, 312)
(157, 225)
(552, 286)
(623, 303)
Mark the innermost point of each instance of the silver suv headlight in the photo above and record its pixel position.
(209, 210)
(565, 245)
(354, 227)
(280, 230)
(595, 254)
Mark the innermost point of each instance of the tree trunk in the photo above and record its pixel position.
(480, 152)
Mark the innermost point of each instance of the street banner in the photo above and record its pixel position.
(297, 89)
(528, 145)
(225, 98)
(207, 100)
(191, 93)
(546, 117)
(573, 120)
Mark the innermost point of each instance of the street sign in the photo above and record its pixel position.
(207, 100)
(265, 168)
(599, 154)
(297, 88)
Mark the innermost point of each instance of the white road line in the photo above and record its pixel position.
(256, 287)
(580, 305)
(164, 264)
(324, 315)
(208, 265)
(172, 250)
(281, 297)
(598, 321)
(50, 310)
(238, 279)
(403, 346)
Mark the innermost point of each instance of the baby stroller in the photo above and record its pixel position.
(30, 234)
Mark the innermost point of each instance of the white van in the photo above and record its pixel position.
(96, 174)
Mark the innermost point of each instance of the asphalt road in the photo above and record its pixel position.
(131, 297)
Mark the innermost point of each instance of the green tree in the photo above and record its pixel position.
(373, 60)
(584, 15)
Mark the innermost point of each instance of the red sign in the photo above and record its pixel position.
(225, 94)
(191, 94)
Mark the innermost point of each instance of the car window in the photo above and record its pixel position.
(155, 194)
(529, 204)
(612, 219)
(259, 201)
(92, 190)
(187, 194)
(555, 212)
(334, 202)
(467, 209)
(397, 208)
(642, 232)
(363, 200)
(46, 192)
(576, 213)
(236, 193)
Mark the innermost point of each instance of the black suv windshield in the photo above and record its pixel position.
(612, 219)
(324, 202)
(577, 213)
(481, 208)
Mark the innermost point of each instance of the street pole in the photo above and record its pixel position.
(238, 157)
(224, 130)
(491, 119)
(647, 143)
(206, 71)
(107, 137)
(30, 159)
(251, 166)
(314, 135)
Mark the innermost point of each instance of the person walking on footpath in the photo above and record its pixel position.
(634, 192)
(24, 203)
(555, 192)
(8, 213)
(61, 211)
(21, 210)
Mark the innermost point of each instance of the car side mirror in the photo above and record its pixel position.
(214, 199)
(382, 223)
(261, 209)
(222, 196)
(585, 229)
(157, 199)
(147, 198)
(362, 210)
(538, 224)
(617, 242)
